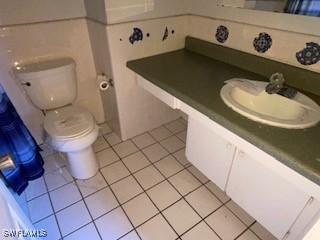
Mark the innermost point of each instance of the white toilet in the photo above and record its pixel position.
(51, 86)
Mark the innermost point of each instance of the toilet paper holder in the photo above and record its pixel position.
(104, 82)
(109, 80)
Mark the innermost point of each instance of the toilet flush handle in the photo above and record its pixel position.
(26, 84)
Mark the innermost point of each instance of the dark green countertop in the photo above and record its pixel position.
(197, 79)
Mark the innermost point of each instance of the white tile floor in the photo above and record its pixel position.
(145, 189)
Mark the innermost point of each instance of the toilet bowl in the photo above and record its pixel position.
(51, 86)
(72, 130)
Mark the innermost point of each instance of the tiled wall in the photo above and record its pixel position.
(101, 55)
(132, 10)
(30, 11)
(30, 42)
(138, 110)
(284, 46)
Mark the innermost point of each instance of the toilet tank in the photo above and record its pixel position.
(49, 84)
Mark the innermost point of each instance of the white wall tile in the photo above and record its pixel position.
(138, 110)
(17, 12)
(70, 38)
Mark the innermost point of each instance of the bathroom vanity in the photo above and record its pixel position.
(272, 173)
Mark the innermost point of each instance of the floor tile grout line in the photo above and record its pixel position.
(85, 203)
(55, 217)
(183, 198)
(105, 187)
(79, 228)
(153, 202)
(147, 189)
(120, 159)
(120, 205)
(198, 223)
(202, 219)
(245, 230)
(184, 167)
(237, 215)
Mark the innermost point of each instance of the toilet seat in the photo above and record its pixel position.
(68, 123)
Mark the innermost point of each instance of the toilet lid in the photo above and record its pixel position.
(68, 122)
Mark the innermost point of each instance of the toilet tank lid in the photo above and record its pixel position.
(44, 65)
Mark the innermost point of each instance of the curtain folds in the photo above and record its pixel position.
(303, 7)
(16, 141)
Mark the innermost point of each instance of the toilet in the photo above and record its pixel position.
(52, 87)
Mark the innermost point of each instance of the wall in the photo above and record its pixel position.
(39, 29)
(286, 22)
(101, 54)
(96, 10)
(21, 43)
(30, 11)
(31, 116)
(270, 5)
(241, 36)
(131, 10)
(138, 110)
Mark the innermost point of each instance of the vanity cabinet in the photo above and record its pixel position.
(270, 199)
(209, 152)
(276, 196)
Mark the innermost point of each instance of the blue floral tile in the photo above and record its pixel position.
(309, 55)
(262, 43)
(136, 36)
(165, 34)
(222, 34)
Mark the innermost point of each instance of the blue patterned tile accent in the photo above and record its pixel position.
(136, 36)
(262, 43)
(222, 34)
(310, 54)
(165, 34)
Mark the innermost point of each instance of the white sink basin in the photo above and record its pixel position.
(272, 109)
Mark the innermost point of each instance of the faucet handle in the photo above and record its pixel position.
(277, 78)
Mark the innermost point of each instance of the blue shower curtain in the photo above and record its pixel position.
(303, 7)
(16, 141)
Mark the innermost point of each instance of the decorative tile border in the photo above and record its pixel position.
(222, 34)
(136, 36)
(165, 34)
(310, 54)
(262, 43)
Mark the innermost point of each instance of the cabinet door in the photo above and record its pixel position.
(266, 196)
(209, 152)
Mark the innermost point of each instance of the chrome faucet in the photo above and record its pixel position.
(276, 83)
(277, 86)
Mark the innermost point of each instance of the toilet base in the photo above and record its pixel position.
(83, 163)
